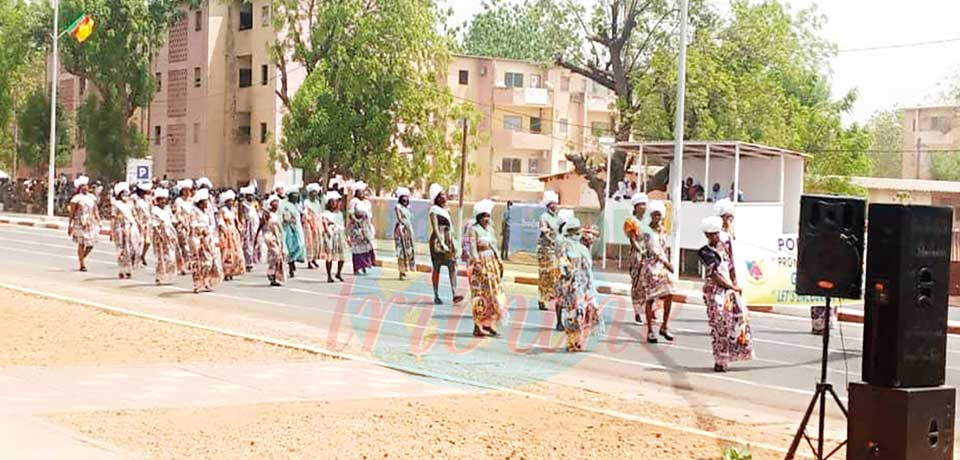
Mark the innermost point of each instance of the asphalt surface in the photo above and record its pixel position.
(396, 322)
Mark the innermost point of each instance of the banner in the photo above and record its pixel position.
(767, 271)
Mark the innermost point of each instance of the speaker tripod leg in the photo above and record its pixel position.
(803, 426)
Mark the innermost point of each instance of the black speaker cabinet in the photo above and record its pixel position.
(908, 276)
(830, 249)
(900, 423)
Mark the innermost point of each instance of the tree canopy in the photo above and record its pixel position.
(20, 63)
(33, 122)
(371, 107)
(535, 30)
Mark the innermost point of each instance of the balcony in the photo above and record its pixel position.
(523, 97)
(600, 104)
(519, 140)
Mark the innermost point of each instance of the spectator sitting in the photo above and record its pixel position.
(739, 197)
(716, 194)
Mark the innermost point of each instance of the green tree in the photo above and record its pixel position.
(830, 170)
(945, 165)
(536, 30)
(20, 63)
(371, 90)
(886, 143)
(115, 60)
(34, 124)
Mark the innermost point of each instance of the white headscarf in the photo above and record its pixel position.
(81, 181)
(161, 193)
(550, 197)
(403, 191)
(724, 207)
(201, 195)
(332, 195)
(657, 206)
(639, 198)
(712, 224)
(314, 187)
(121, 187)
(435, 191)
(145, 186)
(227, 196)
(204, 182)
(484, 206)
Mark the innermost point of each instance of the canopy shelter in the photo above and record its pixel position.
(769, 178)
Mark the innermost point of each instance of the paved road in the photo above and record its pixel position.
(396, 322)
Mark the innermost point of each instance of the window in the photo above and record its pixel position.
(264, 74)
(263, 133)
(159, 78)
(198, 20)
(196, 133)
(83, 86)
(243, 127)
(196, 77)
(533, 166)
(512, 123)
(245, 63)
(564, 126)
(536, 81)
(265, 16)
(246, 15)
(564, 83)
(536, 125)
(464, 77)
(513, 80)
(599, 129)
(510, 165)
(156, 135)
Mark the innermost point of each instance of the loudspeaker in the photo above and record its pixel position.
(908, 277)
(830, 250)
(900, 423)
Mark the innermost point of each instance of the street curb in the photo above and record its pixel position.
(400, 368)
(844, 315)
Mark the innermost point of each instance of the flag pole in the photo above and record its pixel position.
(53, 109)
(676, 168)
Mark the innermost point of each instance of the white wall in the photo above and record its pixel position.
(759, 177)
(792, 190)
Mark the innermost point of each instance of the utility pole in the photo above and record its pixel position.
(676, 169)
(53, 108)
(463, 172)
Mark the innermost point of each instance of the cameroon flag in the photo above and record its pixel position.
(81, 28)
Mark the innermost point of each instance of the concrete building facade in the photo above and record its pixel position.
(217, 114)
(927, 131)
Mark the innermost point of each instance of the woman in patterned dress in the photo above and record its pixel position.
(360, 213)
(126, 232)
(729, 323)
(250, 226)
(546, 249)
(231, 244)
(576, 292)
(143, 205)
(204, 261)
(488, 302)
(272, 231)
(656, 270)
(725, 209)
(182, 209)
(403, 234)
(164, 237)
(84, 222)
(443, 249)
(634, 226)
(312, 208)
(334, 235)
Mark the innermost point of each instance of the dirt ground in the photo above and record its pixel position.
(35, 331)
(494, 426)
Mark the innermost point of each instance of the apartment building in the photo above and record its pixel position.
(927, 130)
(533, 115)
(216, 112)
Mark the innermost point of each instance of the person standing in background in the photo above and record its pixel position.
(250, 226)
(634, 227)
(505, 241)
(334, 235)
(403, 234)
(443, 249)
(360, 230)
(231, 244)
(143, 204)
(164, 237)
(125, 231)
(291, 219)
(547, 260)
(204, 262)
(272, 231)
(312, 208)
(182, 209)
(84, 222)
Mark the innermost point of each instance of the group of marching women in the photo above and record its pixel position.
(216, 237)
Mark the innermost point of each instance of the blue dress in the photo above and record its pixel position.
(292, 231)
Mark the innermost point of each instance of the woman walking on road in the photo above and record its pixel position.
(360, 213)
(272, 230)
(634, 226)
(488, 302)
(204, 263)
(312, 209)
(725, 210)
(656, 270)
(403, 234)
(231, 244)
(576, 292)
(182, 210)
(126, 231)
(549, 271)
(143, 204)
(334, 235)
(84, 221)
(292, 221)
(250, 226)
(729, 324)
(164, 237)
(443, 250)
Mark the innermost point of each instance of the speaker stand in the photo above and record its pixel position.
(819, 397)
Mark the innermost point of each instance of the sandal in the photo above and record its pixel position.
(477, 332)
(491, 332)
(457, 298)
(666, 334)
(719, 368)
(652, 337)
(638, 319)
